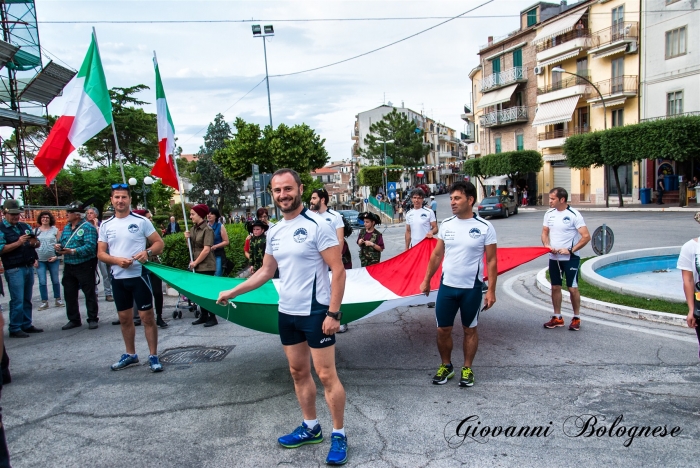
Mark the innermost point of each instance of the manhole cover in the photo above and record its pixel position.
(195, 354)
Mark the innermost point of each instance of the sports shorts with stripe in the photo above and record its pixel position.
(568, 268)
(466, 300)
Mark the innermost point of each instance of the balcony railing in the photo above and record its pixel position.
(505, 116)
(664, 117)
(506, 77)
(562, 38)
(563, 133)
(620, 32)
(565, 83)
(619, 85)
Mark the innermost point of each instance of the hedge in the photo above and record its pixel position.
(176, 255)
(373, 176)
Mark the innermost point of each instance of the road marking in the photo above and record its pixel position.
(508, 289)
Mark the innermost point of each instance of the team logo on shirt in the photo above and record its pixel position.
(133, 228)
(27, 232)
(80, 233)
(566, 220)
(300, 235)
(474, 233)
(423, 215)
(329, 220)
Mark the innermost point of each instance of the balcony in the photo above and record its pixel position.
(448, 154)
(614, 91)
(504, 117)
(622, 37)
(504, 78)
(355, 134)
(665, 117)
(468, 135)
(556, 138)
(562, 47)
(467, 113)
(571, 86)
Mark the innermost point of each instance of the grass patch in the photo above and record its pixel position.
(588, 290)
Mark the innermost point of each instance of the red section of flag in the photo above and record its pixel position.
(56, 149)
(165, 168)
(513, 257)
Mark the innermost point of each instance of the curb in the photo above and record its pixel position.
(615, 309)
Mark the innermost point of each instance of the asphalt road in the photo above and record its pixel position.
(66, 408)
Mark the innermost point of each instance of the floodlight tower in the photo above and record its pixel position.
(26, 89)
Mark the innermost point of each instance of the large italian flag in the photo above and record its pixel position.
(87, 112)
(368, 291)
(165, 165)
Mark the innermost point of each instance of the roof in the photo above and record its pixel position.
(325, 170)
(190, 157)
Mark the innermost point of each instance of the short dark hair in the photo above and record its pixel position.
(560, 193)
(417, 191)
(52, 220)
(121, 188)
(261, 211)
(215, 212)
(467, 188)
(322, 194)
(286, 170)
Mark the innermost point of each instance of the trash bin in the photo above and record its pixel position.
(697, 194)
(645, 196)
(668, 182)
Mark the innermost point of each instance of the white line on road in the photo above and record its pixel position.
(508, 288)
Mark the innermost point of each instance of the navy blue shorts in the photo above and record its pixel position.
(568, 268)
(295, 329)
(466, 300)
(130, 291)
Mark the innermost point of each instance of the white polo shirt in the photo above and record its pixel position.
(304, 285)
(465, 243)
(333, 218)
(125, 237)
(419, 220)
(689, 258)
(563, 229)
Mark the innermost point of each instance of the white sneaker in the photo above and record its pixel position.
(44, 305)
(59, 302)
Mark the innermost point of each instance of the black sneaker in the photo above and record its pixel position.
(160, 322)
(444, 373)
(467, 379)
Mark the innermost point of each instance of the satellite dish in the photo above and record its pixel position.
(602, 240)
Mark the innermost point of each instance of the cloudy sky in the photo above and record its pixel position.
(208, 66)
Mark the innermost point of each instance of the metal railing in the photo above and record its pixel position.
(563, 133)
(621, 31)
(562, 38)
(565, 83)
(503, 78)
(617, 85)
(500, 117)
(665, 117)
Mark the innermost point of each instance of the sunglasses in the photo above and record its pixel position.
(120, 186)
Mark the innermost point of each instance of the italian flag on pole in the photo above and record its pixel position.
(88, 111)
(165, 165)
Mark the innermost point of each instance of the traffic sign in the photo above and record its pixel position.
(392, 195)
(379, 196)
(603, 240)
(391, 186)
(366, 200)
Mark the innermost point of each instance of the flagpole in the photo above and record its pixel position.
(180, 185)
(114, 129)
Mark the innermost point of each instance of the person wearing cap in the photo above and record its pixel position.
(18, 254)
(433, 205)
(370, 240)
(92, 215)
(202, 238)
(688, 261)
(78, 246)
(257, 244)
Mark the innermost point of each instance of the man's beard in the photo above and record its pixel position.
(316, 207)
(296, 203)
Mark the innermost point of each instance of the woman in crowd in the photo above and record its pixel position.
(220, 240)
(47, 234)
(202, 239)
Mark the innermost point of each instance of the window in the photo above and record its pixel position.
(674, 103)
(618, 22)
(617, 118)
(617, 75)
(496, 65)
(532, 17)
(518, 58)
(675, 42)
(519, 143)
(498, 144)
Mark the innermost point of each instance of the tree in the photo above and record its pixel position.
(406, 150)
(373, 176)
(511, 163)
(137, 132)
(33, 136)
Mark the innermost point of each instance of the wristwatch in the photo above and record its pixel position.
(571, 250)
(149, 252)
(335, 315)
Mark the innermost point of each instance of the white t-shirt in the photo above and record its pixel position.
(419, 220)
(563, 229)
(333, 218)
(125, 237)
(304, 286)
(689, 258)
(465, 243)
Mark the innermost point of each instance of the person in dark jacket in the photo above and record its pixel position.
(172, 227)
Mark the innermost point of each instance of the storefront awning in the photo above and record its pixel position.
(554, 112)
(608, 53)
(554, 157)
(496, 97)
(496, 180)
(561, 26)
(559, 58)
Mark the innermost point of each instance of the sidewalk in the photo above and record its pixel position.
(628, 208)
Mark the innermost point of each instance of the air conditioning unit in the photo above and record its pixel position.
(473, 149)
(539, 70)
(632, 48)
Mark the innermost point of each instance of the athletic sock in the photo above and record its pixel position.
(134, 355)
(558, 316)
(340, 431)
(310, 423)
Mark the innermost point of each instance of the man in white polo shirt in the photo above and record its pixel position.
(420, 221)
(564, 233)
(303, 245)
(462, 241)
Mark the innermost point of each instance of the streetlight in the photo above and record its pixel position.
(605, 126)
(386, 178)
(145, 188)
(214, 197)
(268, 31)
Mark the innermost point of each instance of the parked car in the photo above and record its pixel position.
(351, 216)
(424, 188)
(497, 206)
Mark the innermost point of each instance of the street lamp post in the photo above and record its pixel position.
(213, 196)
(267, 31)
(605, 126)
(145, 188)
(386, 177)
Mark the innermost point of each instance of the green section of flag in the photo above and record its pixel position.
(95, 84)
(160, 94)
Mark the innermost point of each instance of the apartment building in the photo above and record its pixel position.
(587, 79)
(670, 71)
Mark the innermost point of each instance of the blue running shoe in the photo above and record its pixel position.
(154, 364)
(127, 360)
(338, 454)
(302, 435)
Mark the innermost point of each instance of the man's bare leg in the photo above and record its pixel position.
(128, 331)
(556, 299)
(324, 364)
(444, 343)
(470, 345)
(299, 358)
(150, 330)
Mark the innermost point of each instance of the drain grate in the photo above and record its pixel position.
(195, 354)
